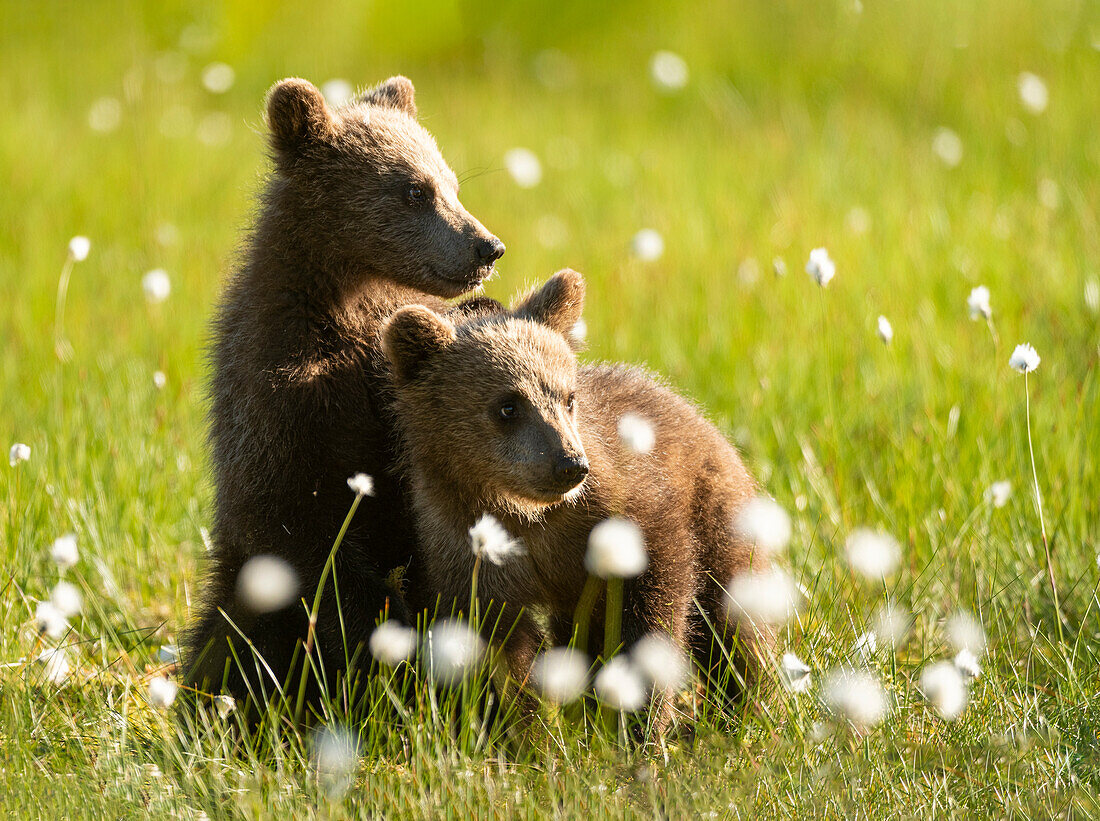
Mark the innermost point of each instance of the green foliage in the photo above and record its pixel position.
(803, 124)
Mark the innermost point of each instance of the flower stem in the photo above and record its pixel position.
(473, 594)
(612, 626)
(584, 612)
(1039, 505)
(61, 345)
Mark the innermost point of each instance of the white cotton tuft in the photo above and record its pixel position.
(337, 91)
(945, 688)
(392, 643)
(18, 453)
(857, 696)
(451, 649)
(977, 304)
(218, 78)
(885, 330)
(55, 665)
(157, 286)
(763, 597)
(796, 673)
(361, 484)
(162, 692)
(619, 685)
(64, 551)
(66, 598)
(820, 267)
(266, 583)
(966, 633)
(79, 247)
(524, 167)
(1033, 92)
(636, 433)
(873, 554)
(561, 674)
(999, 493)
(765, 523)
(50, 621)
(616, 547)
(647, 245)
(489, 540)
(661, 661)
(948, 146)
(1024, 359)
(967, 663)
(668, 71)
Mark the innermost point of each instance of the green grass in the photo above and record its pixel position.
(795, 115)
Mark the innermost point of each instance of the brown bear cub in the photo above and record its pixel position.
(360, 217)
(497, 417)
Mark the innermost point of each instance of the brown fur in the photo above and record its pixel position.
(465, 460)
(360, 217)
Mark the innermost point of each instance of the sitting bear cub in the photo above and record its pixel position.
(497, 417)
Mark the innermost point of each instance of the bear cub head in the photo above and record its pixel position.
(488, 407)
(373, 177)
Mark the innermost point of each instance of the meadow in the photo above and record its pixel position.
(931, 147)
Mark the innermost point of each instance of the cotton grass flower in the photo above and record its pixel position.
(867, 645)
(524, 167)
(361, 484)
(266, 584)
(337, 91)
(579, 331)
(648, 245)
(779, 267)
(636, 433)
(661, 661)
(162, 692)
(104, 115)
(619, 685)
(820, 267)
(335, 758)
(1092, 295)
(668, 71)
(763, 597)
(892, 624)
(616, 547)
(885, 330)
(451, 650)
(967, 663)
(79, 248)
(490, 541)
(857, 696)
(1024, 359)
(948, 146)
(224, 705)
(50, 621)
(1033, 92)
(999, 493)
(966, 633)
(218, 78)
(159, 380)
(157, 286)
(561, 674)
(392, 643)
(977, 304)
(18, 453)
(66, 598)
(55, 665)
(944, 687)
(64, 552)
(872, 553)
(765, 523)
(796, 673)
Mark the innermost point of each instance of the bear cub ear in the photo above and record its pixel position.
(558, 304)
(396, 92)
(296, 114)
(411, 336)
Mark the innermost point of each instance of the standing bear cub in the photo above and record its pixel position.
(360, 217)
(497, 417)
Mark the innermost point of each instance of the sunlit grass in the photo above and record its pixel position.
(800, 126)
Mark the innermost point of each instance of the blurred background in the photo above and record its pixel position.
(680, 155)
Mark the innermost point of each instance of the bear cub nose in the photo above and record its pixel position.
(571, 470)
(489, 250)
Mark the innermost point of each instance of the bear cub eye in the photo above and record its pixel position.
(415, 194)
(508, 410)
